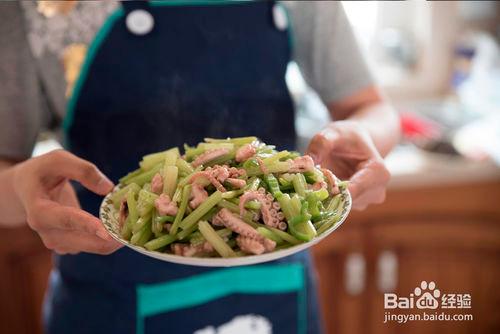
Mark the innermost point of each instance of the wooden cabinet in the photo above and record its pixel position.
(449, 235)
(24, 267)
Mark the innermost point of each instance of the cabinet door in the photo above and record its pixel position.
(24, 267)
(461, 255)
(341, 268)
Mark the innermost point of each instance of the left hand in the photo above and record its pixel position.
(347, 149)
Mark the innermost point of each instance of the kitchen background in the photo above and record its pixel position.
(439, 63)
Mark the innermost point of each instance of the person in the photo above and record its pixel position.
(136, 77)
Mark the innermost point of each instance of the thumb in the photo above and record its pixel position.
(318, 148)
(372, 175)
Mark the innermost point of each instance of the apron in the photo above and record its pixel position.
(162, 74)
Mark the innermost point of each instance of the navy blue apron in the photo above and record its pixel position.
(206, 69)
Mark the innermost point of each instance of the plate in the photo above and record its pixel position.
(109, 214)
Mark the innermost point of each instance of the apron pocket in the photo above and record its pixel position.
(260, 299)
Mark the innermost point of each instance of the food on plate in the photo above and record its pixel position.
(226, 198)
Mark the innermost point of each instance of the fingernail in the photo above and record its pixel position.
(103, 235)
(105, 183)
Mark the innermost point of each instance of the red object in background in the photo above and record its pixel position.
(418, 127)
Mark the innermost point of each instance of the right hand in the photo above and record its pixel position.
(52, 208)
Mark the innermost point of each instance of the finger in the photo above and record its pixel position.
(372, 176)
(72, 242)
(319, 147)
(68, 197)
(373, 196)
(48, 215)
(72, 167)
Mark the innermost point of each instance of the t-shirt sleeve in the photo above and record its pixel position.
(326, 50)
(20, 107)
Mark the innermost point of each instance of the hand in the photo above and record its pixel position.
(52, 208)
(347, 149)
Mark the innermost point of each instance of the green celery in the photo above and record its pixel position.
(299, 184)
(215, 240)
(186, 193)
(170, 174)
(184, 166)
(273, 185)
(145, 202)
(118, 196)
(270, 235)
(145, 177)
(160, 242)
(240, 141)
(201, 210)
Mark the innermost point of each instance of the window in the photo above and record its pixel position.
(408, 43)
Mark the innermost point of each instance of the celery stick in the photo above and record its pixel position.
(171, 158)
(321, 194)
(270, 235)
(334, 203)
(132, 207)
(142, 236)
(277, 167)
(286, 206)
(164, 219)
(160, 242)
(210, 214)
(229, 205)
(145, 202)
(299, 184)
(285, 236)
(184, 166)
(150, 160)
(187, 232)
(186, 192)
(211, 146)
(201, 210)
(141, 222)
(177, 195)
(170, 174)
(273, 185)
(236, 141)
(295, 205)
(276, 157)
(156, 226)
(145, 177)
(232, 194)
(198, 238)
(252, 205)
(221, 160)
(117, 197)
(314, 202)
(253, 184)
(283, 246)
(191, 153)
(328, 224)
(126, 231)
(130, 175)
(215, 240)
(186, 180)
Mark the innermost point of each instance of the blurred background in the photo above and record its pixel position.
(439, 63)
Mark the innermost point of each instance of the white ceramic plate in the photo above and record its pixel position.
(108, 215)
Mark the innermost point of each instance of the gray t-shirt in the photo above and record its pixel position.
(32, 47)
